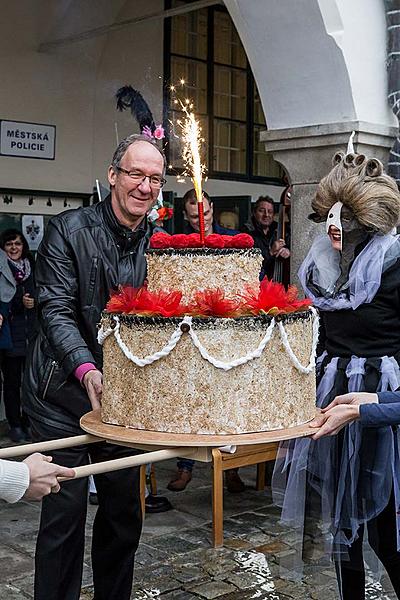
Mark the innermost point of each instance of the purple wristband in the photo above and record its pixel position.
(81, 371)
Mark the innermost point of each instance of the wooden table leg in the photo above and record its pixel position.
(217, 500)
(260, 483)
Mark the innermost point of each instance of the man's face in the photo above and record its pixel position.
(192, 214)
(132, 200)
(264, 214)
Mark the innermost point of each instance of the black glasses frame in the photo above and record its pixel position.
(142, 177)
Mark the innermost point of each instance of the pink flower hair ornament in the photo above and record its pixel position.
(157, 134)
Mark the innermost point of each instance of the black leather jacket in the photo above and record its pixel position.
(84, 255)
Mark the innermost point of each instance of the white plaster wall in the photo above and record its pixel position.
(316, 61)
(359, 29)
(50, 90)
(133, 55)
(55, 87)
(300, 71)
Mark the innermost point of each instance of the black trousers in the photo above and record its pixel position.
(116, 528)
(383, 540)
(12, 367)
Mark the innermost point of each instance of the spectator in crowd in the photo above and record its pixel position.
(263, 229)
(191, 215)
(183, 474)
(20, 319)
(31, 479)
(84, 255)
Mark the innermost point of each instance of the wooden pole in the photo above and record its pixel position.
(48, 446)
(128, 461)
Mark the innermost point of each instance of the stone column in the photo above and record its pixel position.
(306, 155)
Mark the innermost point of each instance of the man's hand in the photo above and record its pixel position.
(277, 247)
(341, 411)
(93, 383)
(27, 301)
(43, 476)
(283, 253)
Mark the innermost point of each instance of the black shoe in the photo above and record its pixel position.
(93, 499)
(157, 504)
(17, 435)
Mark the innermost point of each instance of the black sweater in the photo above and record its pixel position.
(371, 330)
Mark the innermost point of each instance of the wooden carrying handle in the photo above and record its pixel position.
(128, 461)
(48, 446)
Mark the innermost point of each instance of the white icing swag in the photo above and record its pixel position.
(219, 364)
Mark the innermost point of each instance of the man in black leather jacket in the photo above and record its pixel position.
(85, 254)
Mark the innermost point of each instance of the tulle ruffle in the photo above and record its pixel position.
(351, 474)
(322, 267)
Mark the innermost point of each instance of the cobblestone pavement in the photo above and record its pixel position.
(175, 559)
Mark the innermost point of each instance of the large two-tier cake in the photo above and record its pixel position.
(203, 348)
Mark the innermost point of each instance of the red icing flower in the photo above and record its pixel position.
(193, 240)
(213, 303)
(123, 301)
(160, 240)
(242, 240)
(215, 241)
(272, 298)
(140, 301)
(178, 241)
(164, 303)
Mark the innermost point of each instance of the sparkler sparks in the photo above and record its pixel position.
(192, 141)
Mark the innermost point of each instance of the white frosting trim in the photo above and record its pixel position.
(219, 364)
(289, 350)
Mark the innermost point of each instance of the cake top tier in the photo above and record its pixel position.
(194, 269)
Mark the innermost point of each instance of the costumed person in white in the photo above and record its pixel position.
(352, 275)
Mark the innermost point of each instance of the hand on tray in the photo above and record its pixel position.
(340, 412)
(93, 383)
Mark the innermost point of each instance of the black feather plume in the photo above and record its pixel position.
(127, 97)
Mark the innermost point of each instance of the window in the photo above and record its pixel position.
(203, 48)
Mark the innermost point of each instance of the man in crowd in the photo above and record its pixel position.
(191, 214)
(84, 255)
(263, 230)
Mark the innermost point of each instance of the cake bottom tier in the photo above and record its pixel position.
(184, 393)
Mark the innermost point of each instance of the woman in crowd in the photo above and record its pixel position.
(21, 319)
(353, 276)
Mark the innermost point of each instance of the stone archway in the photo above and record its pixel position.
(320, 71)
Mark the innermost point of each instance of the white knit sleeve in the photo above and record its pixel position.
(14, 480)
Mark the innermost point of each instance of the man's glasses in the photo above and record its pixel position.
(155, 181)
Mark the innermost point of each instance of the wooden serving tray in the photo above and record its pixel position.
(92, 423)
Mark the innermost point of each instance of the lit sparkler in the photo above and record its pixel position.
(192, 141)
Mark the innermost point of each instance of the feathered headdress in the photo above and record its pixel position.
(127, 97)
